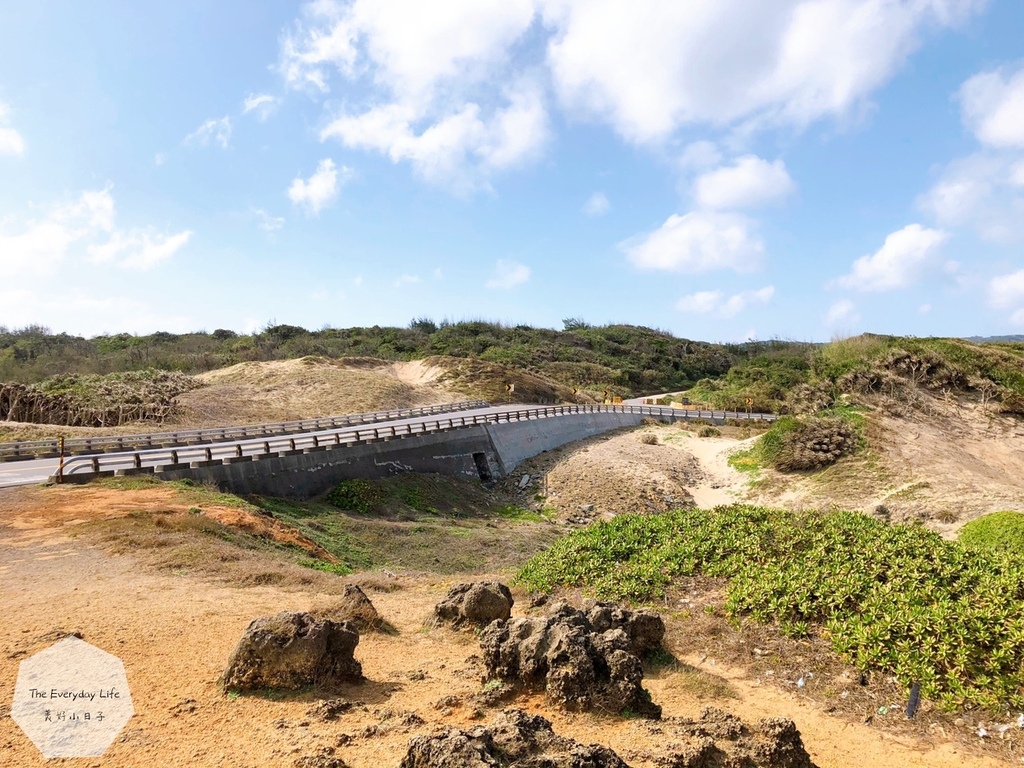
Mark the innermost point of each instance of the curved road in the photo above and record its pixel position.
(40, 470)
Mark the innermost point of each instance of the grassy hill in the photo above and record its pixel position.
(628, 358)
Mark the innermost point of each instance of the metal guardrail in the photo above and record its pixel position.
(254, 450)
(36, 449)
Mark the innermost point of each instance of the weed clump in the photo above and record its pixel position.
(813, 443)
(893, 598)
(649, 438)
(709, 431)
(355, 495)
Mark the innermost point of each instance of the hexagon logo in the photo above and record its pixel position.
(72, 699)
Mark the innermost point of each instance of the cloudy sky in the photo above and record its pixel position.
(721, 169)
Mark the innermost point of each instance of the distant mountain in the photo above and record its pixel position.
(1018, 339)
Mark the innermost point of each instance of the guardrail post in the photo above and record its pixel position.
(174, 457)
(209, 454)
(95, 464)
(238, 450)
(291, 444)
(60, 466)
(137, 461)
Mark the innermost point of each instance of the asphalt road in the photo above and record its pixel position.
(40, 470)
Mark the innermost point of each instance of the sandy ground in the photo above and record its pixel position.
(281, 390)
(174, 634)
(652, 469)
(944, 465)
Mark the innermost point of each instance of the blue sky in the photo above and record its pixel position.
(799, 169)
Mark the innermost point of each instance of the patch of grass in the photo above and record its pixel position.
(355, 495)
(709, 432)
(524, 515)
(998, 532)
(893, 598)
(744, 461)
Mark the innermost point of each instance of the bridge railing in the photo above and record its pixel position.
(148, 461)
(36, 449)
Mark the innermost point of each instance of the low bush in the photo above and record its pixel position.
(649, 438)
(709, 431)
(893, 598)
(355, 495)
(997, 532)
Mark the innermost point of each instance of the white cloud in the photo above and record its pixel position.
(993, 107)
(924, 309)
(649, 67)
(320, 189)
(904, 257)
(11, 142)
(412, 48)
(700, 241)
(88, 313)
(406, 280)
(508, 275)
(459, 148)
(433, 67)
(218, 131)
(843, 311)
(983, 191)
(597, 205)
(267, 222)
(428, 84)
(705, 302)
(750, 181)
(160, 158)
(86, 225)
(263, 104)
(1007, 291)
(137, 250)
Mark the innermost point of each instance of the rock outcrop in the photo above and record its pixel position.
(292, 650)
(514, 740)
(645, 628)
(477, 604)
(718, 738)
(355, 608)
(577, 666)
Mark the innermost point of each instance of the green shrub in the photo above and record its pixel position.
(893, 598)
(709, 431)
(355, 495)
(997, 532)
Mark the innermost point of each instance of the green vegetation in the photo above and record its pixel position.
(892, 598)
(625, 357)
(356, 496)
(999, 532)
(418, 522)
(791, 378)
